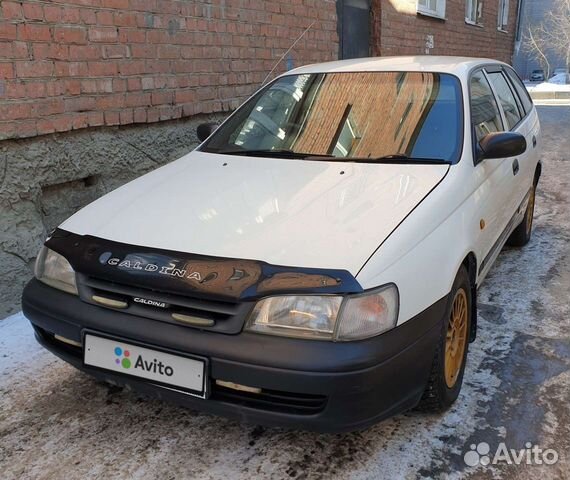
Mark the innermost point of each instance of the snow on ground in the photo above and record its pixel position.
(551, 86)
(56, 422)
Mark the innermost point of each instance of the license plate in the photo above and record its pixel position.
(158, 367)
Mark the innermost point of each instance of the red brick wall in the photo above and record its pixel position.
(71, 64)
(399, 30)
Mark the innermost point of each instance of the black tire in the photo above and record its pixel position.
(438, 396)
(521, 235)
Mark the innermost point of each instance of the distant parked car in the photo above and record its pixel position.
(537, 76)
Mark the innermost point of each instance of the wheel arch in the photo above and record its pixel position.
(470, 264)
(537, 173)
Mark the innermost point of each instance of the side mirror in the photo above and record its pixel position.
(204, 130)
(501, 145)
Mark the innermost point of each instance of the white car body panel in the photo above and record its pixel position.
(412, 225)
(487, 192)
(284, 212)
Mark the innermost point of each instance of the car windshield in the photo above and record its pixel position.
(356, 116)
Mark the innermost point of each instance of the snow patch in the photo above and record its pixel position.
(20, 354)
(555, 84)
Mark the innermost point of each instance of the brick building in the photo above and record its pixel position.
(96, 92)
(76, 64)
(445, 27)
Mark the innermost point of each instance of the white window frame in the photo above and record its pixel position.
(469, 4)
(503, 16)
(423, 9)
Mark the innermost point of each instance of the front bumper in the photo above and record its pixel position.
(313, 385)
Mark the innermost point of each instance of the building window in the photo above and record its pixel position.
(503, 19)
(433, 8)
(473, 11)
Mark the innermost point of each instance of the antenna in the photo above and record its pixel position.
(288, 50)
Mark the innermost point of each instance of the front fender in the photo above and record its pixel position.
(424, 254)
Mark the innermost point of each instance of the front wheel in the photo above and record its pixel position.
(448, 365)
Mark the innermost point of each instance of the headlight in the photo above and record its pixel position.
(296, 316)
(54, 270)
(327, 317)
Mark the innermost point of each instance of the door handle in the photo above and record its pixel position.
(533, 141)
(515, 166)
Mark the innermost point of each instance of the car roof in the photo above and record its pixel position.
(459, 66)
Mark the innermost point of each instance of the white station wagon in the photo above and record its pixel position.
(314, 263)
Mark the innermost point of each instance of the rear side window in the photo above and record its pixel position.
(520, 90)
(484, 110)
(507, 99)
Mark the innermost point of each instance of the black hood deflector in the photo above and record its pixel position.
(192, 274)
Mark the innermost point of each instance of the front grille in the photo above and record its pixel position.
(227, 317)
(271, 400)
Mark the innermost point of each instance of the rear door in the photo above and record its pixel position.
(530, 122)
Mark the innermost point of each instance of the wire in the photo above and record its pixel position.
(285, 54)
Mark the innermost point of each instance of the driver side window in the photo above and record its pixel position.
(507, 98)
(484, 109)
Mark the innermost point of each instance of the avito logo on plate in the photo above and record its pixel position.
(123, 357)
(153, 366)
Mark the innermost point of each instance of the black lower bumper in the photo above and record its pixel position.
(313, 385)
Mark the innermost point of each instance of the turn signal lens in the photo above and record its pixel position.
(368, 315)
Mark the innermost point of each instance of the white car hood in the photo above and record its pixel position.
(285, 212)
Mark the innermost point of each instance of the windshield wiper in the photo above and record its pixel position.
(403, 159)
(398, 158)
(276, 152)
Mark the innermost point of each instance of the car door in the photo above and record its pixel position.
(493, 175)
(529, 127)
(514, 121)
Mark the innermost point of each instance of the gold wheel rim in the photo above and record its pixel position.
(530, 212)
(456, 338)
